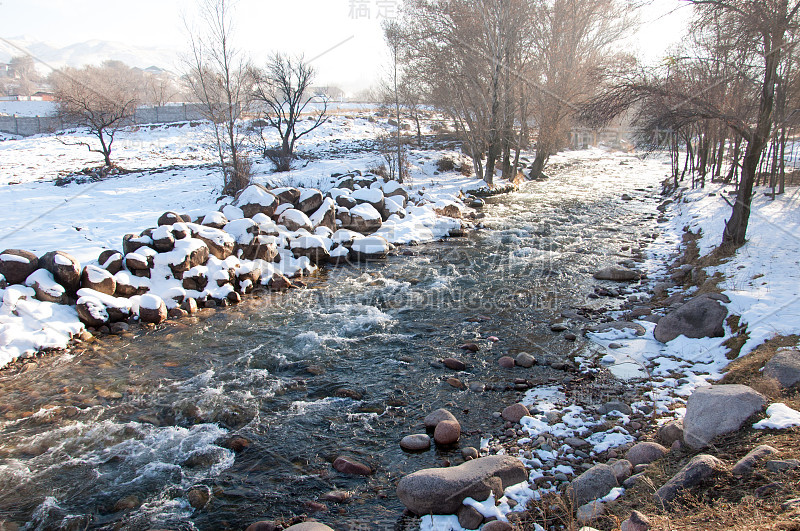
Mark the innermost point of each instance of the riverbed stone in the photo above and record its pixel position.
(497, 525)
(345, 465)
(644, 453)
(447, 432)
(443, 490)
(670, 432)
(590, 512)
(309, 526)
(699, 468)
(702, 316)
(593, 484)
(515, 412)
(746, 464)
(784, 367)
(17, 264)
(416, 442)
(525, 360)
(617, 274)
(262, 526)
(454, 364)
(622, 469)
(435, 417)
(469, 452)
(506, 362)
(199, 496)
(717, 410)
(98, 279)
(469, 517)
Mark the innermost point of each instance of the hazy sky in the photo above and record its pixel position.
(311, 27)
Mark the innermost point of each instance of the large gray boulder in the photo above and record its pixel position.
(717, 410)
(703, 316)
(699, 468)
(593, 484)
(443, 490)
(784, 367)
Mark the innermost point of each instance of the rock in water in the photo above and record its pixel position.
(703, 316)
(351, 466)
(309, 526)
(416, 443)
(593, 484)
(443, 490)
(717, 410)
(617, 274)
(447, 432)
(435, 417)
(152, 309)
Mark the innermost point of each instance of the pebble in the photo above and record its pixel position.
(351, 466)
(416, 442)
(506, 362)
(469, 452)
(525, 360)
(198, 496)
(447, 432)
(455, 382)
(477, 387)
(471, 347)
(454, 364)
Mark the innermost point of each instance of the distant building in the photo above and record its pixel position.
(5, 70)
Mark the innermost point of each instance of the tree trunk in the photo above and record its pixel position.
(537, 168)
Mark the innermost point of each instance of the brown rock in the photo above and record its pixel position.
(469, 517)
(98, 279)
(515, 412)
(454, 364)
(262, 526)
(351, 466)
(506, 362)
(447, 432)
(198, 496)
(65, 269)
(16, 265)
(644, 453)
(415, 443)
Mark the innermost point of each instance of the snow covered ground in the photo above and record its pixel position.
(172, 171)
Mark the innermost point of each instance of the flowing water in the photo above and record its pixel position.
(345, 367)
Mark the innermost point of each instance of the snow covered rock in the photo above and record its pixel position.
(180, 231)
(247, 277)
(261, 248)
(369, 248)
(231, 212)
(699, 468)
(132, 243)
(255, 199)
(315, 248)
(278, 282)
(152, 309)
(703, 316)
(310, 200)
(295, 220)
(345, 237)
(128, 286)
(138, 264)
(394, 189)
(595, 483)
(98, 279)
(171, 218)
(617, 274)
(243, 230)
(443, 490)
(346, 201)
(16, 265)
(220, 243)
(91, 312)
(215, 220)
(784, 367)
(111, 261)
(116, 308)
(186, 254)
(364, 219)
(46, 288)
(163, 240)
(65, 269)
(195, 279)
(325, 215)
(717, 410)
(288, 196)
(370, 196)
(339, 255)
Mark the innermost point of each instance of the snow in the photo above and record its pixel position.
(232, 213)
(365, 211)
(107, 300)
(150, 302)
(370, 245)
(215, 218)
(255, 195)
(779, 417)
(368, 195)
(311, 242)
(7, 257)
(60, 259)
(44, 279)
(296, 216)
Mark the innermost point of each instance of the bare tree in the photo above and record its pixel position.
(160, 88)
(103, 99)
(26, 78)
(220, 78)
(283, 90)
(392, 35)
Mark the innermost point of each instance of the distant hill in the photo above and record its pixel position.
(92, 52)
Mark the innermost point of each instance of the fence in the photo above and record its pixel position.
(35, 125)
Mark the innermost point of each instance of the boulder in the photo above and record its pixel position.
(435, 417)
(255, 199)
(670, 432)
(617, 274)
(469, 517)
(702, 316)
(717, 410)
(91, 311)
(415, 443)
(65, 269)
(346, 201)
(187, 254)
(98, 279)
(169, 218)
(595, 483)
(447, 432)
(784, 367)
(163, 240)
(131, 243)
(214, 220)
(369, 248)
(17, 264)
(636, 522)
(220, 243)
(351, 466)
(622, 469)
(370, 196)
(111, 261)
(310, 200)
(279, 282)
(525, 360)
(152, 309)
(515, 412)
(325, 215)
(364, 219)
(644, 453)
(699, 468)
(746, 464)
(294, 220)
(46, 288)
(287, 196)
(313, 247)
(443, 490)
